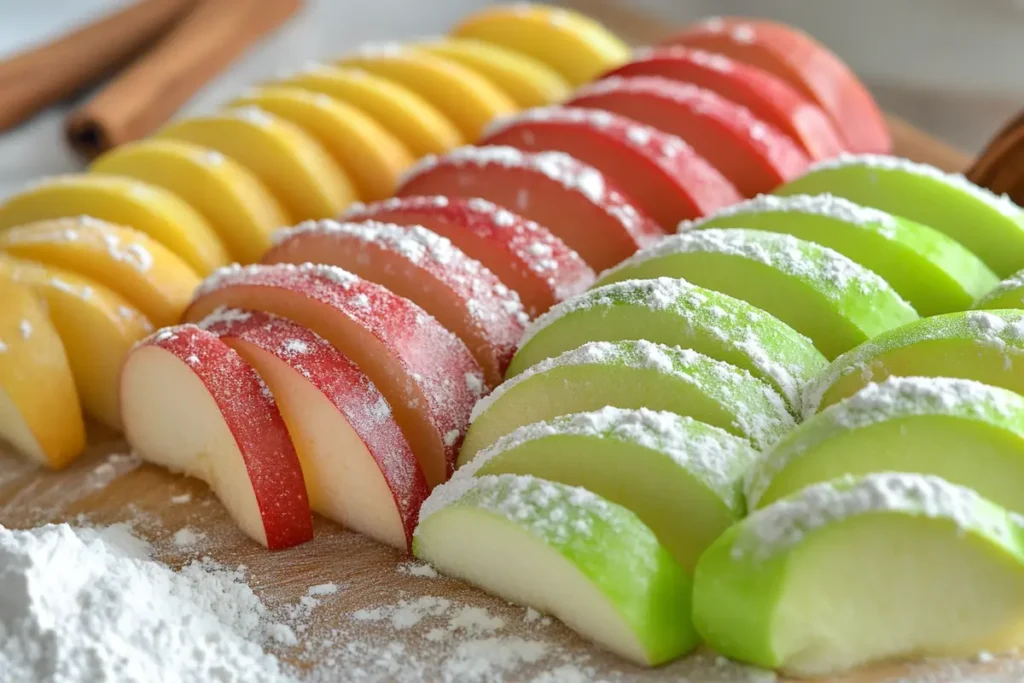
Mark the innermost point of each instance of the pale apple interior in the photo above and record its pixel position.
(943, 594)
(509, 562)
(342, 478)
(16, 431)
(172, 420)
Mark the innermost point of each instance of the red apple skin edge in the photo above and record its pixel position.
(358, 402)
(524, 255)
(252, 417)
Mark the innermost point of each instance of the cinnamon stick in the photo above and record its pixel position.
(46, 74)
(1000, 167)
(146, 94)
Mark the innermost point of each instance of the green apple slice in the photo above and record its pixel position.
(986, 346)
(813, 289)
(566, 552)
(990, 225)
(887, 566)
(676, 313)
(932, 271)
(963, 431)
(1007, 294)
(681, 477)
(630, 374)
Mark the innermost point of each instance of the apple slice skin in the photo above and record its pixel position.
(1007, 294)
(251, 415)
(966, 432)
(676, 313)
(768, 97)
(351, 392)
(747, 585)
(989, 225)
(986, 346)
(932, 271)
(524, 255)
(628, 578)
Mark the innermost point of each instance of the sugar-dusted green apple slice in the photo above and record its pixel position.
(986, 346)
(857, 570)
(989, 225)
(1007, 294)
(681, 477)
(564, 551)
(815, 290)
(932, 271)
(630, 374)
(676, 313)
(963, 431)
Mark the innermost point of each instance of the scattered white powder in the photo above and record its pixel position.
(419, 569)
(25, 328)
(182, 499)
(187, 536)
(824, 205)
(3, 346)
(1014, 282)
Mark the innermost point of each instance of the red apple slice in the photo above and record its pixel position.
(663, 174)
(767, 96)
(804, 63)
(524, 255)
(575, 201)
(424, 267)
(359, 469)
(755, 156)
(191, 404)
(424, 371)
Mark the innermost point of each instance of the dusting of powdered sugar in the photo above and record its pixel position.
(86, 229)
(1013, 283)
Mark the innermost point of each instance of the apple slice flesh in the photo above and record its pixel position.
(932, 271)
(1007, 294)
(425, 268)
(815, 290)
(564, 551)
(631, 374)
(192, 405)
(989, 225)
(524, 255)
(941, 568)
(681, 477)
(986, 346)
(425, 373)
(676, 313)
(358, 467)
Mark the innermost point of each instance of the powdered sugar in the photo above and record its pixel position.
(1013, 283)
(87, 229)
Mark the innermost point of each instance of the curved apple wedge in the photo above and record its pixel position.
(564, 551)
(191, 404)
(681, 477)
(631, 374)
(843, 573)
(675, 313)
(986, 346)
(1007, 294)
(425, 373)
(966, 432)
(818, 292)
(359, 469)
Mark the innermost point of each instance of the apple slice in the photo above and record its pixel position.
(425, 373)
(681, 477)
(932, 271)
(843, 573)
(192, 405)
(663, 174)
(752, 154)
(805, 64)
(816, 291)
(563, 550)
(966, 432)
(986, 346)
(573, 200)
(767, 96)
(989, 225)
(631, 374)
(428, 269)
(524, 255)
(677, 313)
(1007, 294)
(358, 467)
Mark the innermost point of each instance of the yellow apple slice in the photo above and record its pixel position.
(240, 208)
(153, 210)
(143, 271)
(39, 411)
